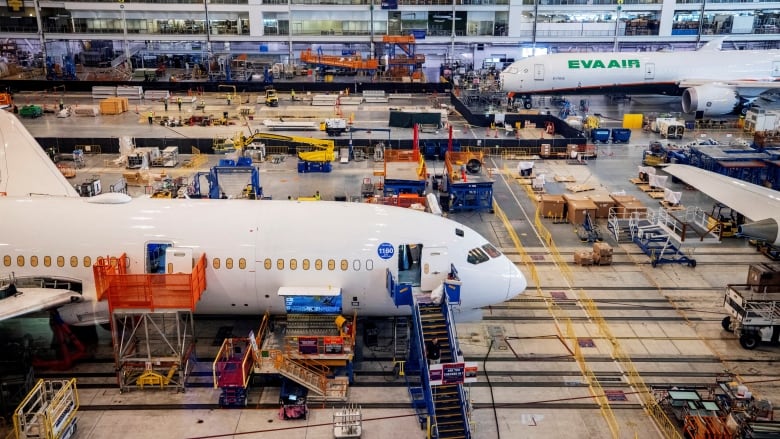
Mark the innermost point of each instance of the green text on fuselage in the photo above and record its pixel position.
(599, 64)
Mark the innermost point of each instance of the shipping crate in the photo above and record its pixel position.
(583, 257)
(626, 209)
(764, 278)
(552, 206)
(603, 203)
(576, 210)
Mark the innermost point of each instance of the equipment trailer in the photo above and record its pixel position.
(753, 316)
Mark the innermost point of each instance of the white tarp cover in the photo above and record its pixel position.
(658, 180)
(672, 197)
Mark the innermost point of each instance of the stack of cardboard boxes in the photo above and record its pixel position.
(764, 278)
(600, 255)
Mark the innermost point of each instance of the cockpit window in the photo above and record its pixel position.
(459, 232)
(477, 256)
(491, 251)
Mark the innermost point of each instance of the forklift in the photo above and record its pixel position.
(271, 98)
(726, 218)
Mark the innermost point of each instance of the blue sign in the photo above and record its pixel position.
(385, 250)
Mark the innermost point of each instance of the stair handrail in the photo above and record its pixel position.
(321, 381)
(453, 339)
(425, 381)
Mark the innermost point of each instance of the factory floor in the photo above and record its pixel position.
(573, 357)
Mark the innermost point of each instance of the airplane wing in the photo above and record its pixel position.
(21, 301)
(753, 201)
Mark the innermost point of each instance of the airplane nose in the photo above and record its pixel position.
(517, 282)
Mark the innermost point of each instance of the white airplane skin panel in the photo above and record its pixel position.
(753, 201)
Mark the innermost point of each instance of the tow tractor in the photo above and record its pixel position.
(725, 218)
(754, 316)
(334, 127)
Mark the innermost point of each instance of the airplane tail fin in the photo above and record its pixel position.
(25, 168)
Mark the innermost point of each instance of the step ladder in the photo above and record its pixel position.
(400, 338)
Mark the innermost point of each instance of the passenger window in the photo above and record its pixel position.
(280, 264)
(216, 263)
(242, 263)
(7, 261)
(47, 261)
(331, 264)
(60, 261)
(267, 263)
(87, 261)
(305, 264)
(74, 261)
(229, 263)
(318, 264)
(356, 265)
(459, 232)
(34, 261)
(369, 264)
(344, 265)
(20, 261)
(293, 264)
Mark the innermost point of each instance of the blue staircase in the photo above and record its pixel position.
(443, 405)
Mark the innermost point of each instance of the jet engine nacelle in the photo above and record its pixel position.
(713, 100)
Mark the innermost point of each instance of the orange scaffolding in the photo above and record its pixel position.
(147, 291)
(354, 62)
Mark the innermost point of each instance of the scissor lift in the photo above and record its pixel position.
(48, 411)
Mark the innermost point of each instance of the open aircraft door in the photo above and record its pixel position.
(650, 70)
(435, 267)
(538, 72)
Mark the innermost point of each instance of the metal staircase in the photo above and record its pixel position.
(400, 338)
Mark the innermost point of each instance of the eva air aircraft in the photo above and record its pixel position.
(710, 80)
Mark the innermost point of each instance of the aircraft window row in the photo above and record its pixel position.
(229, 263)
(306, 264)
(74, 261)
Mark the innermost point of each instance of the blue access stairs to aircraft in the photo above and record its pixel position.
(439, 400)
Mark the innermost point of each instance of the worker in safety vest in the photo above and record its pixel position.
(151, 117)
(178, 101)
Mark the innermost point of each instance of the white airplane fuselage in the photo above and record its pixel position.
(646, 71)
(252, 248)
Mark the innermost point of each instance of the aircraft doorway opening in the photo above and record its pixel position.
(155, 257)
(422, 267)
(311, 300)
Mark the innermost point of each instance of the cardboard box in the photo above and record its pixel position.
(602, 249)
(576, 210)
(603, 203)
(552, 206)
(583, 257)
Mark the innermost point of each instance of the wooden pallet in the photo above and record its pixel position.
(656, 195)
(637, 180)
(579, 187)
(565, 179)
(672, 207)
(524, 180)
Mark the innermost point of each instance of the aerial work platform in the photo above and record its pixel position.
(353, 62)
(469, 185)
(405, 172)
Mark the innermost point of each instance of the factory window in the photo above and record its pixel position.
(229, 263)
(293, 264)
(318, 264)
(305, 264)
(356, 265)
(60, 261)
(34, 261)
(280, 264)
(242, 263)
(477, 256)
(267, 263)
(491, 251)
(369, 264)
(74, 261)
(215, 263)
(87, 261)
(331, 264)
(344, 265)
(20, 261)
(47, 261)
(7, 261)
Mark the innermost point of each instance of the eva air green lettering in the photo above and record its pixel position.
(603, 64)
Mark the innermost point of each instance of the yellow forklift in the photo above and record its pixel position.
(726, 218)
